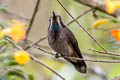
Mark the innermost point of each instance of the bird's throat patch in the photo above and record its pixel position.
(55, 27)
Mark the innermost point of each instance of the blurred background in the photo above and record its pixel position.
(22, 10)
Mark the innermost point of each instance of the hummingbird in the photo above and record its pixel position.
(63, 42)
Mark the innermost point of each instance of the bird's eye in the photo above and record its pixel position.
(49, 19)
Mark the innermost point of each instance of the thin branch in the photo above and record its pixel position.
(33, 17)
(90, 60)
(101, 56)
(34, 43)
(45, 65)
(10, 41)
(85, 12)
(86, 54)
(36, 60)
(108, 53)
(82, 26)
(3, 48)
(41, 39)
(43, 50)
(98, 5)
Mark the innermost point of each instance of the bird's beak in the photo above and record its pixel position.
(54, 16)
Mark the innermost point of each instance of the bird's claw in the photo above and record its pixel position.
(57, 55)
(66, 57)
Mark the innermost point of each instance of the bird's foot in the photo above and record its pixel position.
(66, 57)
(57, 55)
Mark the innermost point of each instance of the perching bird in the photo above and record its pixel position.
(63, 42)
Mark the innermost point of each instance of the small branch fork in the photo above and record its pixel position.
(45, 65)
(85, 12)
(43, 38)
(35, 43)
(82, 27)
(105, 51)
(35, 59)
(90, 60)
(97, 5)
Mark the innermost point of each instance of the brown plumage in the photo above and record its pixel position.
(63, 41)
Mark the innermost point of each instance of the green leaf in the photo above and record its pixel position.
(31, 77)
(12, 63)
(21, 74)
(3, 42)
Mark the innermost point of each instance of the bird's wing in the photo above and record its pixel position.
(73, 42)
(79, 65)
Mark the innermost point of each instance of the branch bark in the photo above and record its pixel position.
(35, 59)
(98, 5)
(85, 30)
(33, 17)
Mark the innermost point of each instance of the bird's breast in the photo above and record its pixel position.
(60, 45)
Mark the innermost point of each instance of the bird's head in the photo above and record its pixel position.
(55, 22)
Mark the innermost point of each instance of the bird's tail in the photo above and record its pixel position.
(80, 66)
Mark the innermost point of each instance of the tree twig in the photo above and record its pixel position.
(86, 54)
(101, 56)
(43, 38)
(43, 50)
(45, 65)
(82, 26)
(98, 5)
(108, 53)
(90, 60)
(34, 43)
(36, 60)
(10, 41)
(85, 12)
(3, 47)
(33, 17)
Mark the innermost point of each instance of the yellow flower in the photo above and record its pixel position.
(99, 22)
(21, 57)
(16, 31)
(5, 32)
(112, 5)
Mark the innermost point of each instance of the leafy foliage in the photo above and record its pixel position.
(9, 68)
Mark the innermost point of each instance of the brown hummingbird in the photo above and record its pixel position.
(62, 41)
